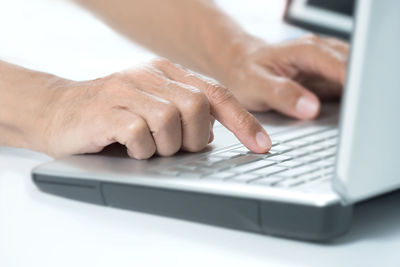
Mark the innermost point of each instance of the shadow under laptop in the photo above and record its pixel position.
(378, 218)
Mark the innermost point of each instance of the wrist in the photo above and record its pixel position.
(228, 53)
(43, 108)
(234, 55)
(26, 106)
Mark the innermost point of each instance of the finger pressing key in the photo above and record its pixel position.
(226, 109)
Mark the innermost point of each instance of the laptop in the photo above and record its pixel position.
(304, 188)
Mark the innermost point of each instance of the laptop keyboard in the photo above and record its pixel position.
(296, 158)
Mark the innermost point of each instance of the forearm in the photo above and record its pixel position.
(194, 33)
(25, 99)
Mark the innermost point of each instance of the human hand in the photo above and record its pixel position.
(157, 108)
(290, 77)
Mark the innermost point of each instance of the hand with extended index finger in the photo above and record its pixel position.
(156, 108)
(224, 107)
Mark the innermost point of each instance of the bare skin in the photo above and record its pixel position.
(289, 77)
(155, 108)
(162, 107)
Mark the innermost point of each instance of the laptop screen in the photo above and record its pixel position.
(345, 7)
(329, 17)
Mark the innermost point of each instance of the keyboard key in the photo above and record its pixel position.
(297, 153)
(313, 139)
(227, 154)
(275, 142)
(269, 170)
(241, 160)
(172, 171)
(279, 158)
(191, 174)
(209, 160)
(323, 164)
(243, 178)
(290, 164)
(331, 142)
(281, 148)
(192, 165)
(205, 170)
(299, 133)
(242, 150)
(253, 166)
(297, 143)
(319, 177)
(316, 175)
(290, 183)
(219, 175)
(326, 153)
(295, 172)
(307, 159)
(270, 181)
(329, 169)
(332, 133)
(314, 147)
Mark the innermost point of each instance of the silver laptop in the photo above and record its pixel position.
(304, 188)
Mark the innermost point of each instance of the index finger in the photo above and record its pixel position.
(226, 109)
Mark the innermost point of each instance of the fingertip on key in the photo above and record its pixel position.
(263, 141)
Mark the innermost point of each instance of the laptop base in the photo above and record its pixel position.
(282, 219)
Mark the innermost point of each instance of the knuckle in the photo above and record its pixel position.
(138, 155)
(167, 115)
(313, 38)
(115, 79)
(282, 82)
(140, 73)
(147, 76)
(310, 41)
(161, 63)
(280, 87)
(244, 119)
(136, 143)
(218, 95)
(143, 75)
(285, 90)
(137, 130)
(196, 103)
(172, 148)
(114, 85)
(141, 153)
(132, 132)
(195, 147)
(169, 152)
(190, 76)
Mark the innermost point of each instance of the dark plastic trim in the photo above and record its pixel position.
(266, 217)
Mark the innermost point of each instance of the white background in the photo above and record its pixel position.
(37, 229)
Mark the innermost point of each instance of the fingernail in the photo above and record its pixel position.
(307, 107)
(263, 140)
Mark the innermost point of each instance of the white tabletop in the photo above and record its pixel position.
(37, 229)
